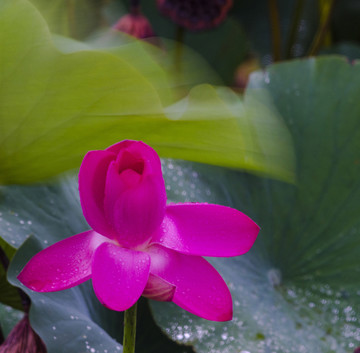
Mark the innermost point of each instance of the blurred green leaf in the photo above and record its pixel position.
(156, 60)
(297, 290)
(144, 57)
(262, 141)
(55, 106)
(73, 18)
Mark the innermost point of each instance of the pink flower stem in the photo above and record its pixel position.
(129, 329)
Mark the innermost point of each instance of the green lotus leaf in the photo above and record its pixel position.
(9, 317)
(297, 290)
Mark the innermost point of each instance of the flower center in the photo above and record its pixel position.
(129, 161)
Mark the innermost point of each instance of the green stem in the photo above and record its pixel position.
(71, 19)
(294, 27)
(180, 33)
(322, 30)
(275, 29)
(129, 329)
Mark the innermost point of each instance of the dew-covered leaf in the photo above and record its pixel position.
(9, 317)
(275, 310)
(297, 290)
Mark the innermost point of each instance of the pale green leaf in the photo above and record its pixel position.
(56, 105)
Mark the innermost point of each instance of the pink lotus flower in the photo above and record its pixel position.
(135, 24)
(138, 245)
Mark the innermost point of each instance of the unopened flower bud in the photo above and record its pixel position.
(135, 24)
(23, 339)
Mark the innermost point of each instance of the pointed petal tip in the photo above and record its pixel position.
(225, 316)
(206, 230)
(48, 285)
(33, 284)
(257, 228)
(62, 265)
(115, 306)
(24, 279)
(219, 313)
(199, 288)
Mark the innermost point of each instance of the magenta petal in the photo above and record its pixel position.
(92, 178)
(134, 204)
(199, 287)
(62, 265)
(135, 196)
(119, 275)
(206, 230)
(139, 212)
